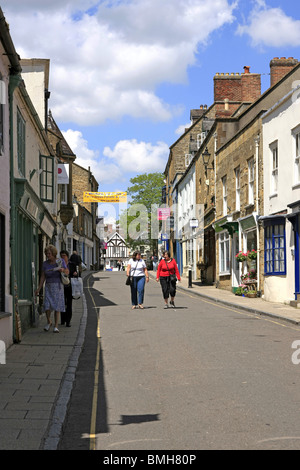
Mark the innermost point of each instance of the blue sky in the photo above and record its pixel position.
(124, 74)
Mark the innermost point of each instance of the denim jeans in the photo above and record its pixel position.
(137, 290)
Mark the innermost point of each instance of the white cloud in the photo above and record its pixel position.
(85, 157)
(138, 157)
(128, 156)
(108, 64)
(269, 26)
(181, 129)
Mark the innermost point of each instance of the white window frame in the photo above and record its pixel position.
(237, 172)
(296, 152)
(224, 185)
(251, 181)
(274, 167)
(64, 193)
(224, 253)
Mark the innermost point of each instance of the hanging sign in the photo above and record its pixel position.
(63, 173)
(104, 197)
(163, 213)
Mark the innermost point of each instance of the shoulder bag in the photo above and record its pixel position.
(129, 278)
(64, 277)
(173, 277)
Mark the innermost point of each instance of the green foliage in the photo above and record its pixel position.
(146, 190)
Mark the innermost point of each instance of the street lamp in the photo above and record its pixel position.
(206, 157)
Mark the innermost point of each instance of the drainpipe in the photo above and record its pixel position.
(14, 81)
(257, 210)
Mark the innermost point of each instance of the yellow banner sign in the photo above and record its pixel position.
(104, 197)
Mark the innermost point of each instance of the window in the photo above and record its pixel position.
(275, 252)
(64, 193)
(224, 184)
(237, 189)
(274, 164)
(46, 178)
(21, 143)
(297, 155)
(251, 181)
(224, 253)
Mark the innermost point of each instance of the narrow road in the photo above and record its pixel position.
(200, 376)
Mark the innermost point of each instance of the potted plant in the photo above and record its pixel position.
(251, 294)
(251, 255)
(240, 256)
(241, 290)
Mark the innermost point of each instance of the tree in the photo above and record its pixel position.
(146, 191)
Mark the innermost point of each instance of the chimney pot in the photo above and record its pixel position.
(247, 69)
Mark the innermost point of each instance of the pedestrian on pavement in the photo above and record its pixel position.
(155, 261)
(65, 317)
(76, 258)
(54, 288)
(138, 270)
(168, 274)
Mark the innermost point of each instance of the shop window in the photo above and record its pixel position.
(224, 245)
(275, 249)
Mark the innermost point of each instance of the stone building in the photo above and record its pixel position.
(85, 238)
(240, 183)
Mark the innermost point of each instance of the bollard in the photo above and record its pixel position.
(190, 278)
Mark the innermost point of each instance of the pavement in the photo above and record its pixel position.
(37, 379)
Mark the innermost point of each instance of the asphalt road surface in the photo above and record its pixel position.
(200, 376)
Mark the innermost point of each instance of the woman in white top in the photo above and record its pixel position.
(138, 270)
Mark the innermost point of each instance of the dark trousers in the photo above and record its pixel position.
(67, 315)
(167, 287)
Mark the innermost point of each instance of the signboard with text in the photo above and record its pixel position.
(104, 197)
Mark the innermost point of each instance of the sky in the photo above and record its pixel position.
(124, 74)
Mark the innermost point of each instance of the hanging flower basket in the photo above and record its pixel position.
(252, 255)
(241, 257)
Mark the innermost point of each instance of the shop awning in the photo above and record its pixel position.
(231, 227)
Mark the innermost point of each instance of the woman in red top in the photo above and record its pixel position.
(167, 269)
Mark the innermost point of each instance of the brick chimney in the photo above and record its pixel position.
(227, 86)
(280, 67)
(233, 89)
(251, 85)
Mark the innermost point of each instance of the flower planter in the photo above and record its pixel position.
(251, 295)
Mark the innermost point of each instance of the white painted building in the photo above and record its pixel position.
(186, 229)
(281, 221)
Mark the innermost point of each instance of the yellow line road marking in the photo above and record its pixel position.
(92, 434)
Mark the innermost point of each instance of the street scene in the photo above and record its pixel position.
(203, 375)
(149, 227)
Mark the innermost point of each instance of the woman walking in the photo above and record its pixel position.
(54, 289)
(167, 273)
(138, 270)
(65, 317)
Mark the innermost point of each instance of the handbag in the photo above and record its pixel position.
(129, 278)
(77, 287)
(64, 277)
(173, 277)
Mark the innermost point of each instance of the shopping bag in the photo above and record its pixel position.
(77, 287)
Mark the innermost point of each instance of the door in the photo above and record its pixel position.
(234, 263)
